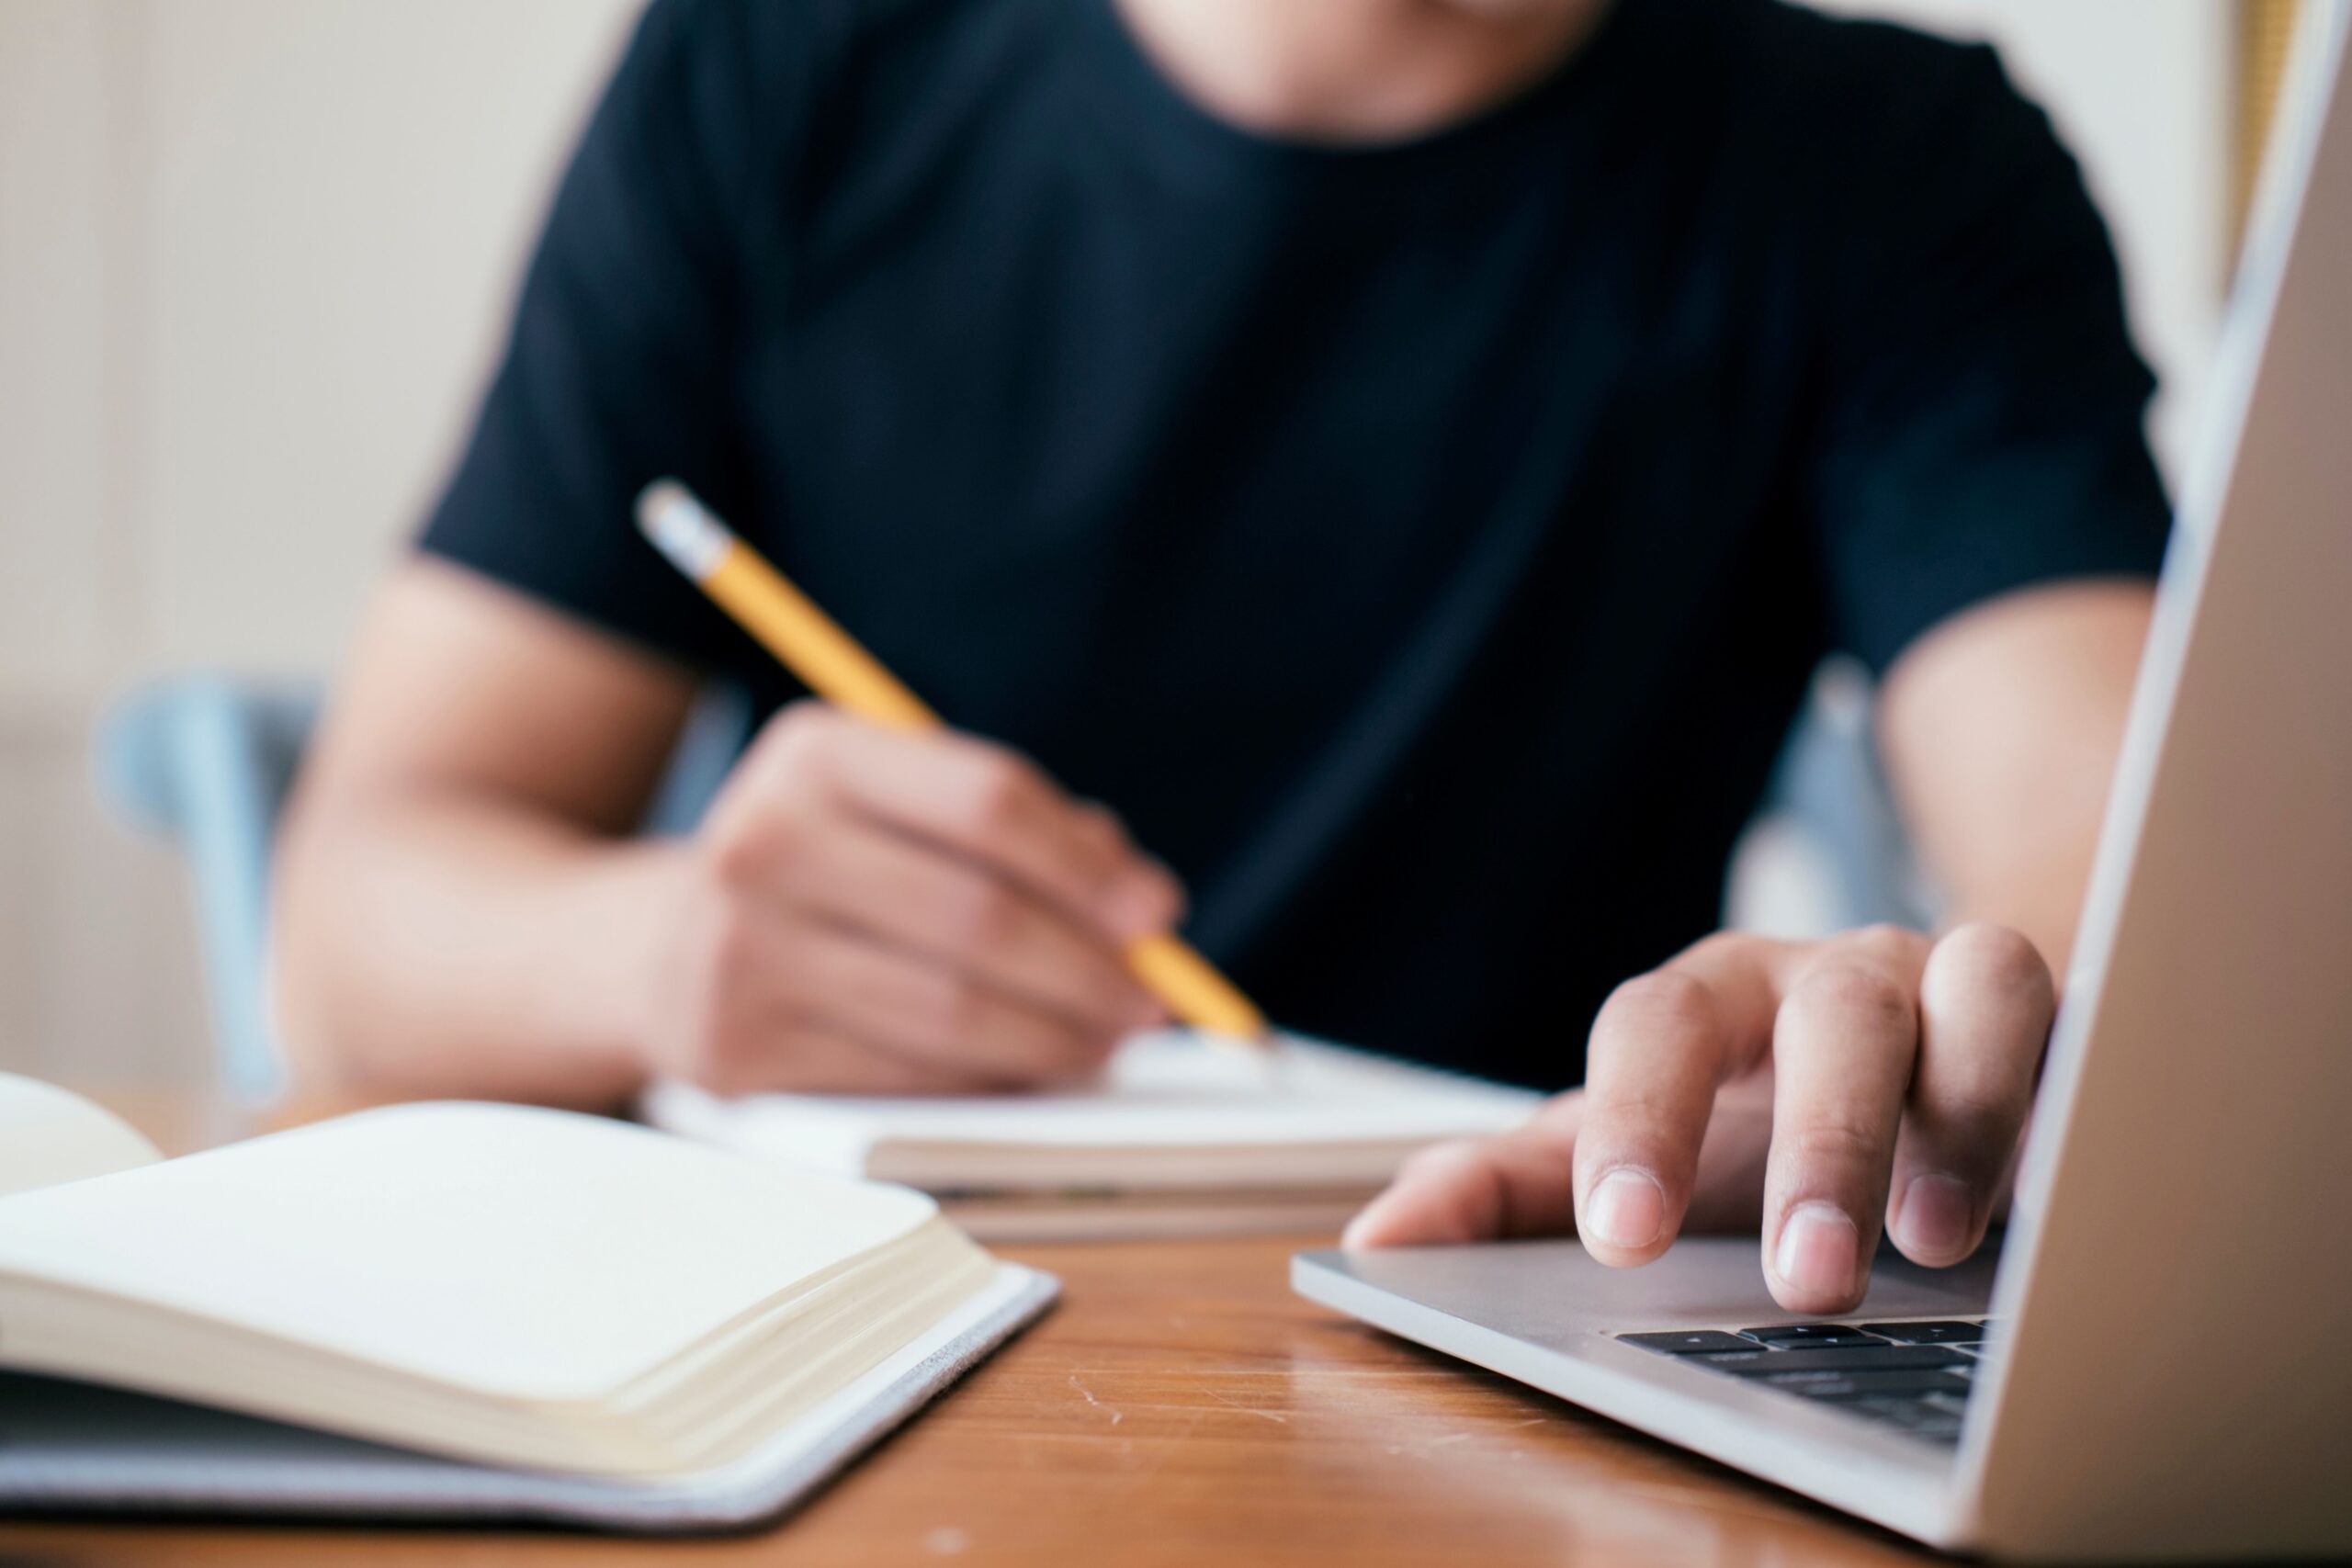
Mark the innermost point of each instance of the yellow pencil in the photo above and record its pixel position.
(830, 662)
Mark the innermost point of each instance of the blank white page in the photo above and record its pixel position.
(48, 1135)
(525, 1253)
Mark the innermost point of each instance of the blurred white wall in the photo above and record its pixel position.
(253, 256)
(2140, 90)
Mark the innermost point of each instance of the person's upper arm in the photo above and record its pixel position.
(621, 364)
(1982, 428)
(458, 690)
(538, 651)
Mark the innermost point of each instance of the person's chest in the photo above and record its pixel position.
(1052, 431)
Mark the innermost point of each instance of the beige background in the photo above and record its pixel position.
(253, 256)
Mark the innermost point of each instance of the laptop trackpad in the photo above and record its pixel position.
(1549, 1292)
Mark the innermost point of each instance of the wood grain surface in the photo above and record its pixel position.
(1179, 1406)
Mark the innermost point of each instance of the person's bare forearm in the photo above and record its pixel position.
(464, 947)
(2001, 732)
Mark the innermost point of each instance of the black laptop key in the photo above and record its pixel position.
(1928, 1333)
(1756, 1362)
(1815, 1336)
(1693, 1343)
(1807, 1333)
(1868, 1385)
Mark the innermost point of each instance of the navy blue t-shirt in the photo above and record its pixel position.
(1424, 546)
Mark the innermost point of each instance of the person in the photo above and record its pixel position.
(1406, 455)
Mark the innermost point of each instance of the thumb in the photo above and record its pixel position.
(1520, 1183)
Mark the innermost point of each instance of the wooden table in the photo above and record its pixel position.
(1179, 1406)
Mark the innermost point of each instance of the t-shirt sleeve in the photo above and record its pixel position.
(622, 347)
(1985, 421)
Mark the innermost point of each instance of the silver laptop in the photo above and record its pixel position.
(2160, 1364)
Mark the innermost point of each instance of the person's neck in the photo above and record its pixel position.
(1355, 70)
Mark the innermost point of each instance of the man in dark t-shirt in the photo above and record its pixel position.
(1405, 456)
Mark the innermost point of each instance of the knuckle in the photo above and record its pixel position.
(998, 792)
(1664, 997)
(1839, 990)
(1994, 955)
(1099, 825)
(1884, 943)
(1154, 899)
(753, 850)
(1829, 1141)
(1000, 779)
(1719, 944)
(1172, 890)
(802, 717)
(1965, 1114)
(736, 855)
(1631, 1116)
(798, 736)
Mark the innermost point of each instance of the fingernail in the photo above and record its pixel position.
(1820, 1251)
(1626, 1208)
(1937, 1214)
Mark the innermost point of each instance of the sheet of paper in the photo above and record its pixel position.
(1166, 1090)
(527, 1253)
(48, 1136)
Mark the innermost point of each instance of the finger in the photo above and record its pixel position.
(1842, 1053)
(996, 807)
(1661, 1045)
(1985, 1005)
(852, 983)
(949, 909)
(1110, 839)
(1514, 1183)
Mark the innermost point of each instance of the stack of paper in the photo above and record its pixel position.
(1177, 1137)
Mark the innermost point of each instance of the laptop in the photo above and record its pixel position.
(2158, 1363)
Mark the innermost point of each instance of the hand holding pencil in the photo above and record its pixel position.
(1054, 873)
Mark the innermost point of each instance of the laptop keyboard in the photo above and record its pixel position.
(1914, 1377)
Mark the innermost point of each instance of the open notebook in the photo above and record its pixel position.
(460, 1311)
(1175, 1137)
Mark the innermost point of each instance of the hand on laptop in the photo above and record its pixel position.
(869, 911)
(1817, 1089)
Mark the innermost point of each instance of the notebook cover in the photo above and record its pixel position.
(77, 1447)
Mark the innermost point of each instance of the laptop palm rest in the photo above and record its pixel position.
(1544, 1314)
